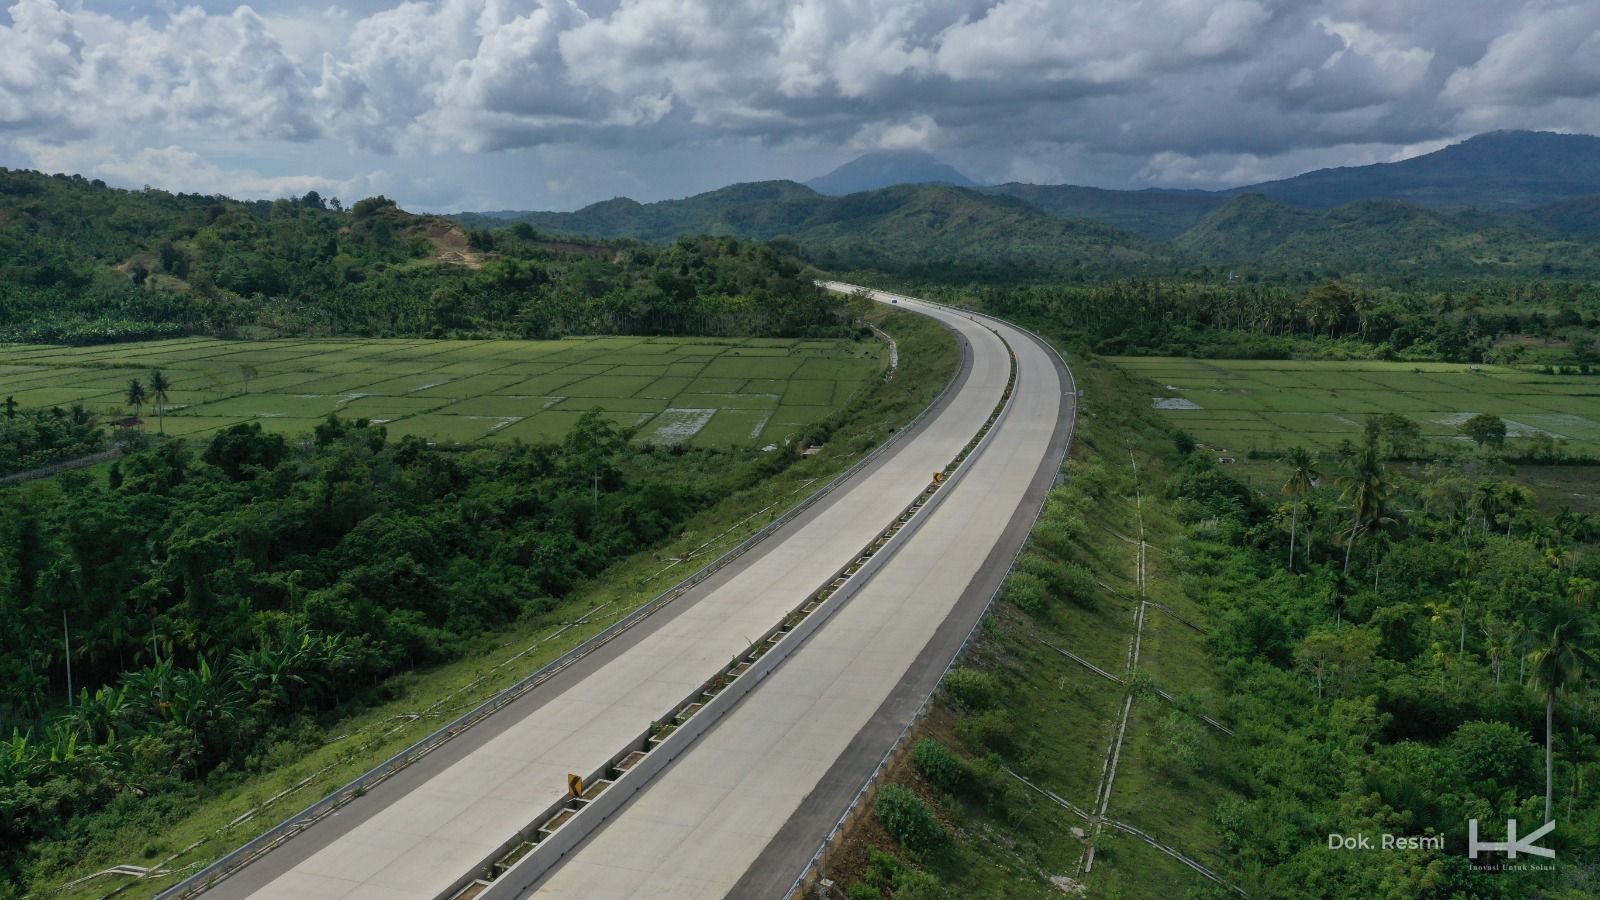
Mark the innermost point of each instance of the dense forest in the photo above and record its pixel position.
(205, 604)
(1401, 654)
(84, 263)
(1532, 322)
(1505, 321)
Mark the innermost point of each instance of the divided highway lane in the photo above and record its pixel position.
(741, 811)
(415, 835)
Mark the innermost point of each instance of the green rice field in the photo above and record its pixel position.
(1236, 406)
(704, 391)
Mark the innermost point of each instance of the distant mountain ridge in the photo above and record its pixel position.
(887, 168)
(897, 227)
(1498, 170)
(1501, 203)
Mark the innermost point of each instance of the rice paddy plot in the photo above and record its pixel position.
(705, 391)
(1242, 405)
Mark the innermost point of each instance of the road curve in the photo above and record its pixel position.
(740, 812)
(417, 834)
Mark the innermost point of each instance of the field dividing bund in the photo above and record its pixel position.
(702, 391)
(1235, 406)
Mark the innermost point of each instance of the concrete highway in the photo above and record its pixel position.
(731, 816)
(417, 834)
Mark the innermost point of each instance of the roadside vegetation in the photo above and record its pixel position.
(253, 621)
(1162, 684)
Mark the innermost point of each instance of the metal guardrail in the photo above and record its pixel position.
(812, 871)
(579, 817)
(272, 838)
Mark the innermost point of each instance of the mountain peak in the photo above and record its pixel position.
(886, 168)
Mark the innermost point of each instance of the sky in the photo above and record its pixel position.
(451, 105)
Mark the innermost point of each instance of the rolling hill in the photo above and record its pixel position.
(1155, 214)
(902, 227)
(1382, 237)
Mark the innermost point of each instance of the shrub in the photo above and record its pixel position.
(990, 731)
(1493, 751)
(942, 768)
(907, 819)
(902, 881)
(1179, 739)
(972, 690)
(1026, 592)
(1055, 535)
(1079, 586)
(1183, 441)
(1067, 581)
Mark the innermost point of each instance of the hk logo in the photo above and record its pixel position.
(1512, 845)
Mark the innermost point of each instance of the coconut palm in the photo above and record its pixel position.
(1366, 489)
(136, 395)
(1578, 746)
(159, 385)
(1560, 659)
(1303, 477)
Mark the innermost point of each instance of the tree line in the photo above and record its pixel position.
(81, 263)
(197, 607)
(1248, 320)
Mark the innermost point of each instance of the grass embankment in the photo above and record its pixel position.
(293, 775)
(1021, 709)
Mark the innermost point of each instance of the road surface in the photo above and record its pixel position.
(415, 835)
(742, 810)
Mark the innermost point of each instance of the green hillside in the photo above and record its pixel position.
(1385, 237)
(83, 263)
(1574, 218)
(1154, 214)
(759, 210)
(897, 228)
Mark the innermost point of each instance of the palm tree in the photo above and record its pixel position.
(1579, 746)
(1303, 477)
(136, 396)
(1558, 662)
(159, 385)
(1366, 489)
(63, 583)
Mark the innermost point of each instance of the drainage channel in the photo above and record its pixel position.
(520, 862)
